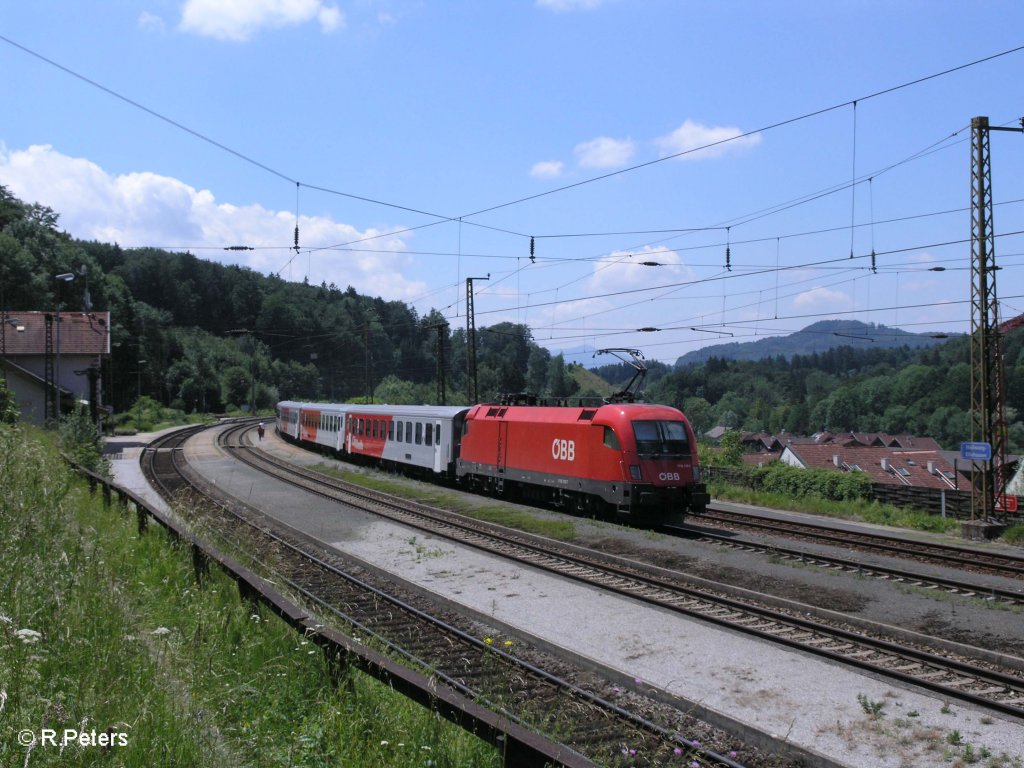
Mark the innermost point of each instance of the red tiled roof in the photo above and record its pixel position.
(81, 333)
(904, 467)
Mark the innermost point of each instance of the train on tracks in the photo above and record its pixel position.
(636, 461)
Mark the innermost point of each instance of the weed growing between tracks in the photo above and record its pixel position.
(914, 744)
(104, 632)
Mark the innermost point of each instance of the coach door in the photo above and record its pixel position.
(438, 446)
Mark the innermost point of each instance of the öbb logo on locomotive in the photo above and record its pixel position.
(563, 450)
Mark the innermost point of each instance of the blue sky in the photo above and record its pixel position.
(431, 140)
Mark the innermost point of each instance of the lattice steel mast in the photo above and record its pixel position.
(988, 379)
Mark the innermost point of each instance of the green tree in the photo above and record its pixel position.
(731, 449)
(395, 391)
(236, 384)
(560, 384)
(700, 414)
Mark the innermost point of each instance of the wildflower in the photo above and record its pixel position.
(160, 631)
(385, 743)
(694, 764)
(508, 643)
(28, 636)
(489, 640)
(677, 751)
(732, 753)
(695, 744)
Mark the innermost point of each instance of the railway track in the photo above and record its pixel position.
(606, 732)
(975, 560)
(961, 678)
(959, 588)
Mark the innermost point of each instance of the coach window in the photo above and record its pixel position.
(429, 435)
(391, 430)
(408, 431)
(419, 433)
(437, 434)
(611, 439)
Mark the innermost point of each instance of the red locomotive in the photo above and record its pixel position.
(636, 460)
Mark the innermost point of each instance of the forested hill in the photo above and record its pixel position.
(201, 336)
(819, 337)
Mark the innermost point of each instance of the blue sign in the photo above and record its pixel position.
(976, 451)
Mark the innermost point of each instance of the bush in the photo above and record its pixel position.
(1014, 534)
(821, 483)
(147, 415)
(82, 443)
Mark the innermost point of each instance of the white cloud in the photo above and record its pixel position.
(151, 22)
(330, 18)
(565, 6)
(604, 152)
(691, 136)
(623, 271)
(823, 298)
(548, 169)
(147, 209)
(239, 20)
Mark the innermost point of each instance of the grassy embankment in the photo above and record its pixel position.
(104, 631)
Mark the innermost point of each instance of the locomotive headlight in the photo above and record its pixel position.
(634, 472)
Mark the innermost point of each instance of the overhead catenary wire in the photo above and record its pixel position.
(443, 219)
(329, 190)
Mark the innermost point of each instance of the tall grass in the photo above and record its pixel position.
(856, 509)
(104, 631)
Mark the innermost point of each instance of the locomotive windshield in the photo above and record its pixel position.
(661, 438)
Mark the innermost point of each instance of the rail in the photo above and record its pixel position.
(519, 747)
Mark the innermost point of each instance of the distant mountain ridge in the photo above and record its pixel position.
(818, 337)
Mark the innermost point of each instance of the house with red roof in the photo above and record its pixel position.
(50, 363)
(925, 468)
